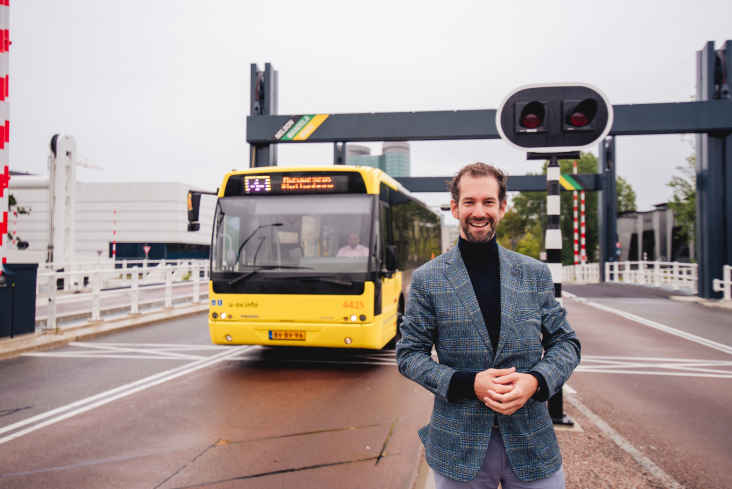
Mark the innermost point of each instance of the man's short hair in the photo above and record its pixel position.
(479, 170)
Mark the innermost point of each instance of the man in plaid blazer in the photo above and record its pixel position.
(503, 344)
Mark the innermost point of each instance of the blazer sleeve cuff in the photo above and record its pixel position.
(462, 386)
(542, 392)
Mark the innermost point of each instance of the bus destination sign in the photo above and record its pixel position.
(300, 182)
(324, 183)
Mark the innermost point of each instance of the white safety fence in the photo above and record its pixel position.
(586, 273)
(118, 287)
(724, 285)
(655, 273)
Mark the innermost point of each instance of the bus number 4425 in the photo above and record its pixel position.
(353, 305)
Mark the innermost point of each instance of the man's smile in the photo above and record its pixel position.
(478, 224)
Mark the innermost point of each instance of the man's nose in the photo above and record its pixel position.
(479, 212)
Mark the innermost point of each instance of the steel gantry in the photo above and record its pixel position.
(709, 117)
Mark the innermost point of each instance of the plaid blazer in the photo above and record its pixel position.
(443, 311)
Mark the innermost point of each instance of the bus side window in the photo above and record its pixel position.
(386, 238)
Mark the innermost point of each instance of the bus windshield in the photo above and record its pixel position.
(297, 234)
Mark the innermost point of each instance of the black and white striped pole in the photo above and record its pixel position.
(553, 238)
(553, 245)
(552, 122)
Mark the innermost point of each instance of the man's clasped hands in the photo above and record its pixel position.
(504, 390)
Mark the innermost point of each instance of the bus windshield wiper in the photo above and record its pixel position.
(246, 275)
(315, 278)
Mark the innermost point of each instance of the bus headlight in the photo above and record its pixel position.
(354, 318)
(348, 341)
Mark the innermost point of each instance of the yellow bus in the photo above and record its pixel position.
(313, 256)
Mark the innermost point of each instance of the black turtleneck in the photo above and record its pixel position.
(481, 261)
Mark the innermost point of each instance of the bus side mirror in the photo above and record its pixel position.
(391, 258)
(194, 204)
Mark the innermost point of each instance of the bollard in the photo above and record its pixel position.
(196, 283)
(675, 272)
(51, 314)
(168, 287)
(616, 277)
(135, 293)
(96, 296)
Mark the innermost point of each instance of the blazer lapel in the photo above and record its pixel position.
(458, 277)
(509, 278)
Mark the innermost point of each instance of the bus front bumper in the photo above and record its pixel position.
(372, 335)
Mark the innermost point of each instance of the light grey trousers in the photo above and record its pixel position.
(495, 469)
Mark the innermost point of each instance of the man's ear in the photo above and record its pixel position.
(454, 209)
(503, 208)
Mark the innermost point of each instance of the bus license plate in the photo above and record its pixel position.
(287, 335)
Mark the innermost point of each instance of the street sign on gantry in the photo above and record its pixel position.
(554, 118)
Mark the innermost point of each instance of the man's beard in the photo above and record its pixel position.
(474, 238)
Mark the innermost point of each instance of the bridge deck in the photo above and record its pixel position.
(168, 409)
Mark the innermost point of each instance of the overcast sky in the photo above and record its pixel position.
(158, 90)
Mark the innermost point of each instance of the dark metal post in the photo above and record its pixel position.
(264, 101)
(713, 174)
(608, 205)
(339, 154)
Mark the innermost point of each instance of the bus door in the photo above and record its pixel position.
(390, 286)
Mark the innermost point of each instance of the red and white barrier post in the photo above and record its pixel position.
(583, 250)
(4, 179)
(575, 223)
(4, 128)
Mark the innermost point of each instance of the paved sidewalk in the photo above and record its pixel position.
(46, 340)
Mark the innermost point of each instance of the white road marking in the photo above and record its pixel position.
(84, 405)
(642, 460)
(112, 355)
(647, 322)
(144, 351)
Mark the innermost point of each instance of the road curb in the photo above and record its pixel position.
(33, 342)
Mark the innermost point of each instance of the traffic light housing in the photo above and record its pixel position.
(556, 118)
(194, 205)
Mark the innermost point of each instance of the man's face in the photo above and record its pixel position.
(353, 240)
(479, 209)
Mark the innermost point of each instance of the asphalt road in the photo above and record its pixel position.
(670, 396)
(161, 407)
(229, 416)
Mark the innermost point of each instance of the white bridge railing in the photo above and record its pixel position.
(655, 273)
(118, 285)
(724, 285)
(587, 273)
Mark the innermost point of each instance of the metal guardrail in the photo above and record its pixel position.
(724, 285)
(587, 273)
(654, 273)
(123, 282)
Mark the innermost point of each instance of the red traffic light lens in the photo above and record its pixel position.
(583, 113)
(533, 115)
(578, 119)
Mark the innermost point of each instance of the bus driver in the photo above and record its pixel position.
(354, 248)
